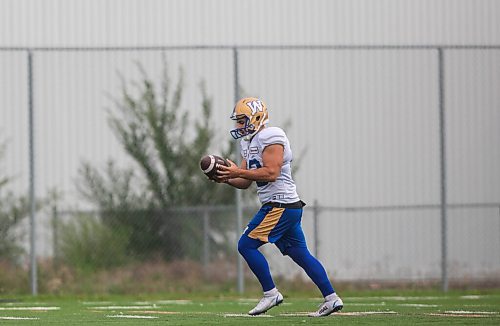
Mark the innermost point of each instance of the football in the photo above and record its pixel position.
(210, 163)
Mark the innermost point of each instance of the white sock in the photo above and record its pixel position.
(271, 292)
(330, 297)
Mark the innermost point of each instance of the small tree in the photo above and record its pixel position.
(12, 210)
(139, 201)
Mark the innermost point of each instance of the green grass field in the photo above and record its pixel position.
(373, 308)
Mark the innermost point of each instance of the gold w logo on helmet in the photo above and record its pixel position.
(256, 106)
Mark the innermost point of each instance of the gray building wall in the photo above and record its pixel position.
(364, 123)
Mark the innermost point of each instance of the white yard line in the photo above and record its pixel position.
(471, 312)
(393, 298)
(123, 307)
(173, 302)
(353, 313)
(156, 312)
(29, 308)
(23, 303)
(132, 316)
(162, 312)
(364, 313)
(253, 301)
(466, 313)
(19, 318)
(246, 315)
(418, 305)
(458, 315)
(471, 297)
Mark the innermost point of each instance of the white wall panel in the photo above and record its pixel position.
(367, 120)
(152, 22)
(473, 123)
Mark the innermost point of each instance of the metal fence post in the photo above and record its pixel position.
(55, 236)
(206, 240)
(33, 267)
(442, 147)
(315, 228)
(239, 209)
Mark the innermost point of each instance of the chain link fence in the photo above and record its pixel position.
(407, 188)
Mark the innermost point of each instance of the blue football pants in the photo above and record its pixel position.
(291, 242)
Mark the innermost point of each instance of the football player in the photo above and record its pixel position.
(266, 159)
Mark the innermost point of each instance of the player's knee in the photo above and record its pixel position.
(245, 244)
(242, 247)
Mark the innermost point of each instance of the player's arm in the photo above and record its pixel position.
(236, 182)
(272, 160)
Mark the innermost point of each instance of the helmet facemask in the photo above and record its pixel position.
(246, 130)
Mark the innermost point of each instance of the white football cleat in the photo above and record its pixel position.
(328, 307)
(266, 303)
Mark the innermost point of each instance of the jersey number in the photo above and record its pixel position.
(254, 164)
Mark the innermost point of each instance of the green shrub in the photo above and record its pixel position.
(88, 245)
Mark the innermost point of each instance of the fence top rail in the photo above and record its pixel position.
(177, 210)
(256, 47)
(407, 207)
(225, 208)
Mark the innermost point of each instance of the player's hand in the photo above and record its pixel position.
(228, 172)
(218, 178)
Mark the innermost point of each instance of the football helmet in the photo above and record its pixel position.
(254, 111)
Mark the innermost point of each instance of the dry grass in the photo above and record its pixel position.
(185, 276)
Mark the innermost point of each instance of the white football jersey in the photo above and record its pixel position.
(282, 190)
